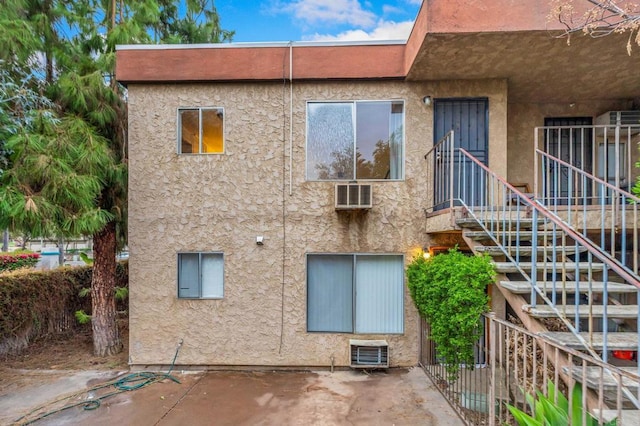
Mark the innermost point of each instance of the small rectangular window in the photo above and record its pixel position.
(200, 275)
(200, 131)
(355, 140)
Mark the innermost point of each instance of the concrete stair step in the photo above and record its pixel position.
(513, 236)
(523, 223)
(626, 417)
(597, 311)
(510, 268)
(523, 287)
(609, 382)
(615, 340)
(528, 250)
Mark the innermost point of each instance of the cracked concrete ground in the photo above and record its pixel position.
(345, 397)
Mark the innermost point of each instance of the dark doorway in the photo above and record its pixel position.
(469, 119)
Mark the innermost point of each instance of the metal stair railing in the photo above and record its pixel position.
(503, 212)
(591, 203)
(440, 162)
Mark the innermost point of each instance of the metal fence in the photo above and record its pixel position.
(512, 363)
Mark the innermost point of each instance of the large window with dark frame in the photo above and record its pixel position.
(360, 140)
(355, 293)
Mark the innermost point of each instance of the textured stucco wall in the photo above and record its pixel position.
(222, 202)
(523, 118)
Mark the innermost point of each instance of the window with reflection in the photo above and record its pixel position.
(201, 131)
(355, 140)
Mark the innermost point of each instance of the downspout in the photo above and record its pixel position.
(290, 118)
(284, 212)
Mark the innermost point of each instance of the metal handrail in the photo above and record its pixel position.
(544, 212)
(576, 214)
(579, 145)
(438, 162)
(497, 218)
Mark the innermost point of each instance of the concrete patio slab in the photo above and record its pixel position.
(345, 397)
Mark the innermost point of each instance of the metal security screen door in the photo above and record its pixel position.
(568, 139)
(469, 119)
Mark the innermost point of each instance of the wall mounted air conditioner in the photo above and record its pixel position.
(369, 353)
(623, 118)
(353, 196)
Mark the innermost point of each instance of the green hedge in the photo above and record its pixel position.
(18, 260)
(40, 303)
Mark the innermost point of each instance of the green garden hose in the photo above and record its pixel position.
(129, 382)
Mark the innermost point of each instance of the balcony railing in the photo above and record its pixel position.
(604, 151)
(601, 212)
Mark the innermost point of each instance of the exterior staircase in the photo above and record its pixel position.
(573, 258)
(571, 286)
(547, 274)
(572, 263)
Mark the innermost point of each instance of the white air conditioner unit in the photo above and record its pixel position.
(353, 196)
(622, 118)
(369, 353)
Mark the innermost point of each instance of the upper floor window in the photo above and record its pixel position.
(355, 140)
(200, 131)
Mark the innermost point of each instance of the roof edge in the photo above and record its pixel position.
(253, 45)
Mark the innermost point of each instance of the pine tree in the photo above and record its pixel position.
(50, 191)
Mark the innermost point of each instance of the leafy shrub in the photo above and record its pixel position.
(449, 291)
(38, 303)
(553, 409)
(18, 260)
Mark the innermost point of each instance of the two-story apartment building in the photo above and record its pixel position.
(237, 152)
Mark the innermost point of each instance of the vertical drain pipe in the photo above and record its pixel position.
(284, 180)
(290, 118)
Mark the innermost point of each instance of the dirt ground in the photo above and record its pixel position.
(72, 351)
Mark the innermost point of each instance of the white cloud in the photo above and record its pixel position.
(418, 2)
(384, 30)
(388, 9)
(313, 12)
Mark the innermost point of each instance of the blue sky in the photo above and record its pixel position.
(317, 20)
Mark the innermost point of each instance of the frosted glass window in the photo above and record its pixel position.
(200, 275)
(355, 140)
(330, 141)
(200, 130)
(353, 293)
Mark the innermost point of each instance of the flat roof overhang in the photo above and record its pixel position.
(259, 62)
(451, 40)
(539, 66)
(519, 41)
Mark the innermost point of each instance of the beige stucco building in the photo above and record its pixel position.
(236, 246)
